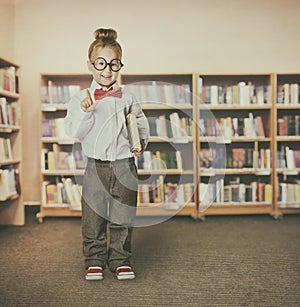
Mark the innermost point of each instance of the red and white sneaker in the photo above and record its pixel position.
(94, 273)
(124, 272)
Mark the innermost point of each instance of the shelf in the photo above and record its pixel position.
(9, 95)
(238, 209)
(62, 173)
(59, 141)
(161, 106)
(288, 138)
(234, 171)
(263, 106)
(240, 139)
(9, 197)
(288, 107)
(223, 107)
(287, 94)
(179, 140)
(11, 162)
(9, 128)
(12, 211)
(53, 107)
(165, 172)
(163, 210)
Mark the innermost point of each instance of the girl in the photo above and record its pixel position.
(97, 117)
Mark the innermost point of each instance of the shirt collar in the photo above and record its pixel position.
(95, 86)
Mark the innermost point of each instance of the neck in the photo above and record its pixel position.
(107, 86)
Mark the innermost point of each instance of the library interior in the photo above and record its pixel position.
(218, 194)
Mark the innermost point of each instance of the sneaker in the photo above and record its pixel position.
(124, 272)
(94, 273)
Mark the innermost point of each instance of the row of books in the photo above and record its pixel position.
(288, 125)
(229, 127)
(288, 158)
(158, 160)
(9, 182)
(8, 79)
(243, 93)
(54, 127)
(8, 113)
(57, 94)
(160, 192)
(221, 158)
(172, 126)
(64, 193)
(216, 193)
(56, 159)
(160, 92)
(289, 193)
(5, 150)
(288, 93)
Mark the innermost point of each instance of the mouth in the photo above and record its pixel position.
(106, 77)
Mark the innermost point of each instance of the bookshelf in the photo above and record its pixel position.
(166, 171)
(62, 164)
(236, 139)
(287, 144)
(213, 139)
(11, 201)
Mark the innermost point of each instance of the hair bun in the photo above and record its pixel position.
(105, 34)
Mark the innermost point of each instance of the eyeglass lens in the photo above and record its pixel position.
(101, 64)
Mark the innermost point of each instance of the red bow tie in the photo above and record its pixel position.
(114, 92)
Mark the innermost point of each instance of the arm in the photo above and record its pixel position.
(143, 126)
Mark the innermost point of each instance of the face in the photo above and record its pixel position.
(105, 77)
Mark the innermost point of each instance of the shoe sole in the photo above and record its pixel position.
(94, 277)
(126, 276)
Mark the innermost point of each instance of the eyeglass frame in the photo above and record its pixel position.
(109, 64)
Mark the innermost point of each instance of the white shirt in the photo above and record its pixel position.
(102, 131)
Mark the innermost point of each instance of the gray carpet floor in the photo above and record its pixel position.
(224, 261)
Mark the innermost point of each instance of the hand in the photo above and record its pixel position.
(87, 102)
(139, 153)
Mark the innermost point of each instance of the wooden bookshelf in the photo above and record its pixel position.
(287, 143)
(235, 116)
(11, 200)
(56, 91)
(161, 96)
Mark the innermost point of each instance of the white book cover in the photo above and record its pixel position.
(133, 132)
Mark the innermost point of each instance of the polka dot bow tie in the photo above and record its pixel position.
(114, 92)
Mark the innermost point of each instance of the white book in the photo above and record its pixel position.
(175, 125)
(60, 129)
(77, 197)
(214, 96)
(180, 194)
(133, 132)
(179, 159)
(147, 160)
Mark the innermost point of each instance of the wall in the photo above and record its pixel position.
(7, 23)
(158, 36)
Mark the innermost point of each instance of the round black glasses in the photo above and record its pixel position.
(115, 64)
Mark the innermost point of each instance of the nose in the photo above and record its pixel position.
(107, 68)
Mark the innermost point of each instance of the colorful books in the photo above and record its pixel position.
(165, 192)
(162, 93)
(64, 193)
(159, 160)
(57, 94)
(243, 93)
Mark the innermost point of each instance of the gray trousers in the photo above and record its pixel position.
(109, 199)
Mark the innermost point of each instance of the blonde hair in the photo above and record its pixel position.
(105, 38)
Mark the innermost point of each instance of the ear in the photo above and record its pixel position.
(89, 65)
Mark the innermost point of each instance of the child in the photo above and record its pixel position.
(97, 117)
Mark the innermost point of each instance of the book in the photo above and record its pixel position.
(133, 132)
